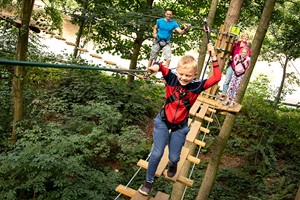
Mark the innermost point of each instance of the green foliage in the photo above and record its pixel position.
(46, 164)
(269, 140)
(133, 145)
(5, 102)
(231, 184)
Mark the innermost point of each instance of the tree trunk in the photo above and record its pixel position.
(80, 30)
(217, 152)
(210, 21)
(223, 136)
(232, 17)
(298, 194)
(19, 72)
(277, 99)
(134, 57)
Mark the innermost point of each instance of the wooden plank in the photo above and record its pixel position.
(70, 43)
(95, 55)
(193, 159)
(203, 111)
(186, 181)
(200, 143)
(138, 196)
(161, 196)
(184, 153)
(190, 122)
(59, 37)
(217, 104)
(161, 166)
(82, 49)
(125, 190)
(195, 127)
(163, 162)
(195, 108)
(109, 62)
(204, 130)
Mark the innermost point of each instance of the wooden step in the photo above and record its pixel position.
(194, 109)
(183, 156)
(82, 49)
(125, 190)
(194, 130)
(217, 104)
(109, 62)
(161, 196)
(59, 37)
(200, 143)
(163, 164)
(95, 55)
(70, 43)
(138, 196)
(193, 159)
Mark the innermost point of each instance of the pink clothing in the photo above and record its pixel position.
(237, 48)
(240, 64)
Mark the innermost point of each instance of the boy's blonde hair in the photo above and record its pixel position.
(188, 61)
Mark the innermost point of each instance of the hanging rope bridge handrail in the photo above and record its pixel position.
(49, 65)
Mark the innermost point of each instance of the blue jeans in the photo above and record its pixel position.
(229, 73)
(162, 137)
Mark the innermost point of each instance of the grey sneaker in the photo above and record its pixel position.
(226, 103)
(172, 170)
(232, 105)
(145, 189)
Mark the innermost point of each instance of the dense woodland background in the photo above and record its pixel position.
(81, 132)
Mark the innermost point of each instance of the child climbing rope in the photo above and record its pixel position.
(241, 63)
(171, 124)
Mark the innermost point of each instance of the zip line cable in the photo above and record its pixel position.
(48, 65)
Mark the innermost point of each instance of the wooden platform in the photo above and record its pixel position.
(217, 104)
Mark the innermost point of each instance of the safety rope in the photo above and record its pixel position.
(135, 174)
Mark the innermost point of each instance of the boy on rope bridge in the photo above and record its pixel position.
(162, 32)
(171, 124)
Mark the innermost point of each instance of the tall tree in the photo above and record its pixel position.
(125, 26)
(19, 71)
(178, 188)
(221, 141)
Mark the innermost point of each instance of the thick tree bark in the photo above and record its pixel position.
(298, 194)
(19, 73)
(221, 141)
(232, 17)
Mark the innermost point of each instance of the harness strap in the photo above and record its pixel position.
(166, 42)
(170, 125)
(173, 98)
(242, 63)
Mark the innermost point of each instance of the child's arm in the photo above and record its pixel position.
(216, 77)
